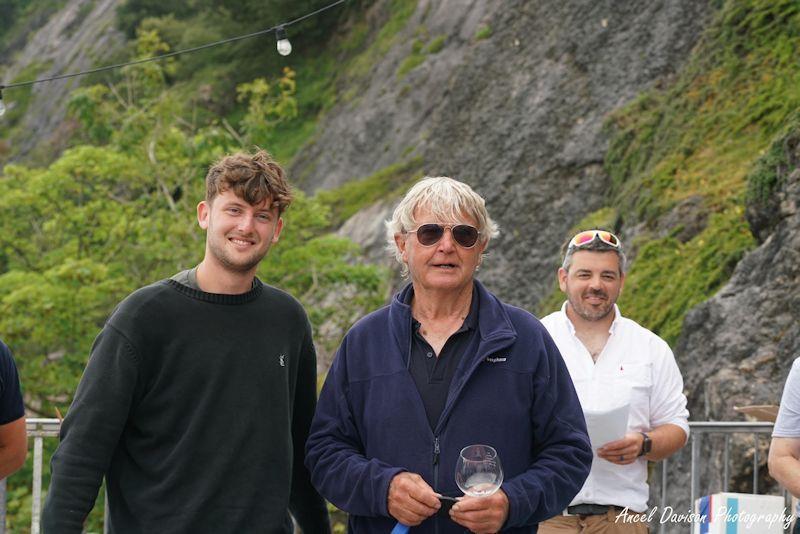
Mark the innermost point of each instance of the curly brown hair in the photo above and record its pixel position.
(252, 177)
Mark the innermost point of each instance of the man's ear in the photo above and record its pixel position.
(203, 210)
(400, 243)
(562, 279)
(278, 227)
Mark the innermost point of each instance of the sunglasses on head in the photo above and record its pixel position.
(586, 237)
(431, 233)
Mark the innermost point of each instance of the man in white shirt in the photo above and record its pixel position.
(614, 362)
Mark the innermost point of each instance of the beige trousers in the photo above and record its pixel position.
(593, 524)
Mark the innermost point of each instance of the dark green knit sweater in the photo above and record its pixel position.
(196, 408)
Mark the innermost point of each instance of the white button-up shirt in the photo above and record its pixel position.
(636, 366)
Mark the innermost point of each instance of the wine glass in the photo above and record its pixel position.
(478, 471)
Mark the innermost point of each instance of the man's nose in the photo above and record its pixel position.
(446, 243)
(246, 222)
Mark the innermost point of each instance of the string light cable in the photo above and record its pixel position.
(283, 45)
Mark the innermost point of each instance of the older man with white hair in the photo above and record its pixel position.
(446, 365)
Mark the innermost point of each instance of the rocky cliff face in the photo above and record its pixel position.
(79, 37)
(517, 115)
(738, 347)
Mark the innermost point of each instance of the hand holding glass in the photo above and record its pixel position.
(478, 471)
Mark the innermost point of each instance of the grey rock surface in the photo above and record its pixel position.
(737, 348)
(73, 40)
(518, 115)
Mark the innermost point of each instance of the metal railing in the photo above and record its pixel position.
(701, 429)
(39, 429)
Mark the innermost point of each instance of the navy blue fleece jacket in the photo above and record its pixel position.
(512, 391)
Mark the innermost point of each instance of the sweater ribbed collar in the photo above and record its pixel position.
(218, 298)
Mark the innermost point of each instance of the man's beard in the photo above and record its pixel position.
(588, 313)
(230, 264)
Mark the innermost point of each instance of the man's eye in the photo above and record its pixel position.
(264, 217)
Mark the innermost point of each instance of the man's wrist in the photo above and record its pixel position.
(647, 444)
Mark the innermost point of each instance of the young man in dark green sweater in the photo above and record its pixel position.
(197, 398)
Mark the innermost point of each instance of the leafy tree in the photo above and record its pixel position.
(118, 211)
(268, 104)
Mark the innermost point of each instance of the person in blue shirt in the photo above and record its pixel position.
(446, 365)
(13, 436)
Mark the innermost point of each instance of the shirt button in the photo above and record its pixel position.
(430, 355)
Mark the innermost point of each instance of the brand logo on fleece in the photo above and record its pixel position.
(282, 360)
(495, 359)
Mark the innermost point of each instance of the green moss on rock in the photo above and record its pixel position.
(703, 136)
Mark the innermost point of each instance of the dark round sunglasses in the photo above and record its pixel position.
(431, 233)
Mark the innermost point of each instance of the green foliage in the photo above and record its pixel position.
(22, 17)
(267, 105)
(132, 12)
(78, 237)
(671, 277)
(118, 211)
(736, 92)
(391, 181)
(237, 17)
(769, 172)
(315, 93)
(484, 31)
(701, 136)
(10, 10)
(85, 105)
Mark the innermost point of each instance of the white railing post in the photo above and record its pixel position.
(39, 429)
(36, 504)
(695, 469)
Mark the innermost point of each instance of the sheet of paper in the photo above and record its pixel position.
(608, 425)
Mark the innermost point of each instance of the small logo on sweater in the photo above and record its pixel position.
(496, 359)
(282, 360)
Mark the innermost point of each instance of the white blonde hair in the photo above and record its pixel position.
(447, 200)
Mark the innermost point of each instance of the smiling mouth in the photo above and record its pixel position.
(446, 266)
(240, 242)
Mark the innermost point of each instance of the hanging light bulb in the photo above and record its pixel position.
(2, 104)
(284, 46)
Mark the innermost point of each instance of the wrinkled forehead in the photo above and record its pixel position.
(442, 214)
